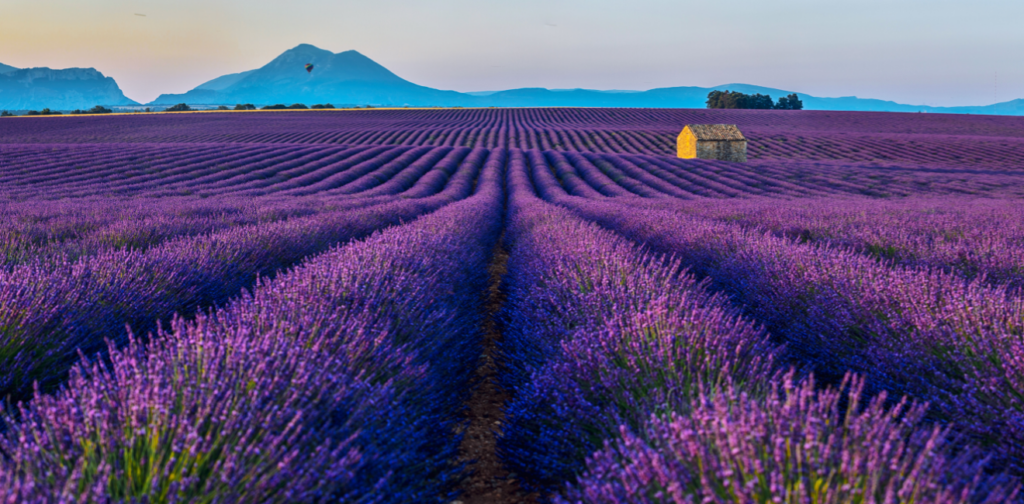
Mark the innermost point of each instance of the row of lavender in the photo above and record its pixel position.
(976, 239)
(364, 171)
(159, 171)
(52, 307)
(595, 342)
(920, 296)
(588, 175)
(891, 139)
(615, 349)
(291, 125)
(64, 230)
(68, 228)
(341, 380)
(885, 150)
(909, 330)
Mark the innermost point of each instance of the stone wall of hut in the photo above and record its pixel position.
(735, 151)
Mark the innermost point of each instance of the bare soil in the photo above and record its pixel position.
(489, 482)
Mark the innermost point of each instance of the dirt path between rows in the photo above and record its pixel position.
(489, 482)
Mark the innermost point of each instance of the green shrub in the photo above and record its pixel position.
(736, 100)
(791, 102)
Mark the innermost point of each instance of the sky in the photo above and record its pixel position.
(922, 52)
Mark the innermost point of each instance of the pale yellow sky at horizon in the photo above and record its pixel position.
(937, 52)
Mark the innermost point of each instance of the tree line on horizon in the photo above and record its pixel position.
(716, 100)
(736, 100)
(98, 109)
(183, 107)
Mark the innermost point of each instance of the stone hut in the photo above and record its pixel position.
(712, 141)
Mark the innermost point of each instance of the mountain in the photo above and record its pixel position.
(343, 78)
(71, 88)
(1012, 107)
(224, 81)
(695, 97)
(349, 78)
(6, 68)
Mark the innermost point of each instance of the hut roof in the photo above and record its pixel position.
(716, 131)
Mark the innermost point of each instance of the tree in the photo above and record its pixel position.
(791, 102)
(320, 107)
(715, 100)
(759, 101)
(736, 100)
(245, 106)
(181, 107)
(274, 107)
(728, 100)
(297, 106)
(6, 114)
(222, 107)
(99, 109)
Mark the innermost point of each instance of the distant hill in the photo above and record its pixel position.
(71, 88)
(695, 97)
(6, 68)
(343, 78)
(223, 81)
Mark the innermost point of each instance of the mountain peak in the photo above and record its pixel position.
(6, 68)
(306, 50)
(333, 77)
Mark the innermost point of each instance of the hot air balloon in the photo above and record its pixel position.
(309, 67)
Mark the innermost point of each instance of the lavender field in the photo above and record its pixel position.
(511, 305)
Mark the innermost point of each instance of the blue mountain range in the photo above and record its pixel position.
(350, 78)
(67, 89)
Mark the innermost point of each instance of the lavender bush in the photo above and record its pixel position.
(342, 379)
(49, 313)
(580, 297)
(919, 332)
(664, 324)
(601, 335)
(798, 444)
(971, 237)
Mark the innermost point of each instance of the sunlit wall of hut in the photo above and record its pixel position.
(712, 141)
